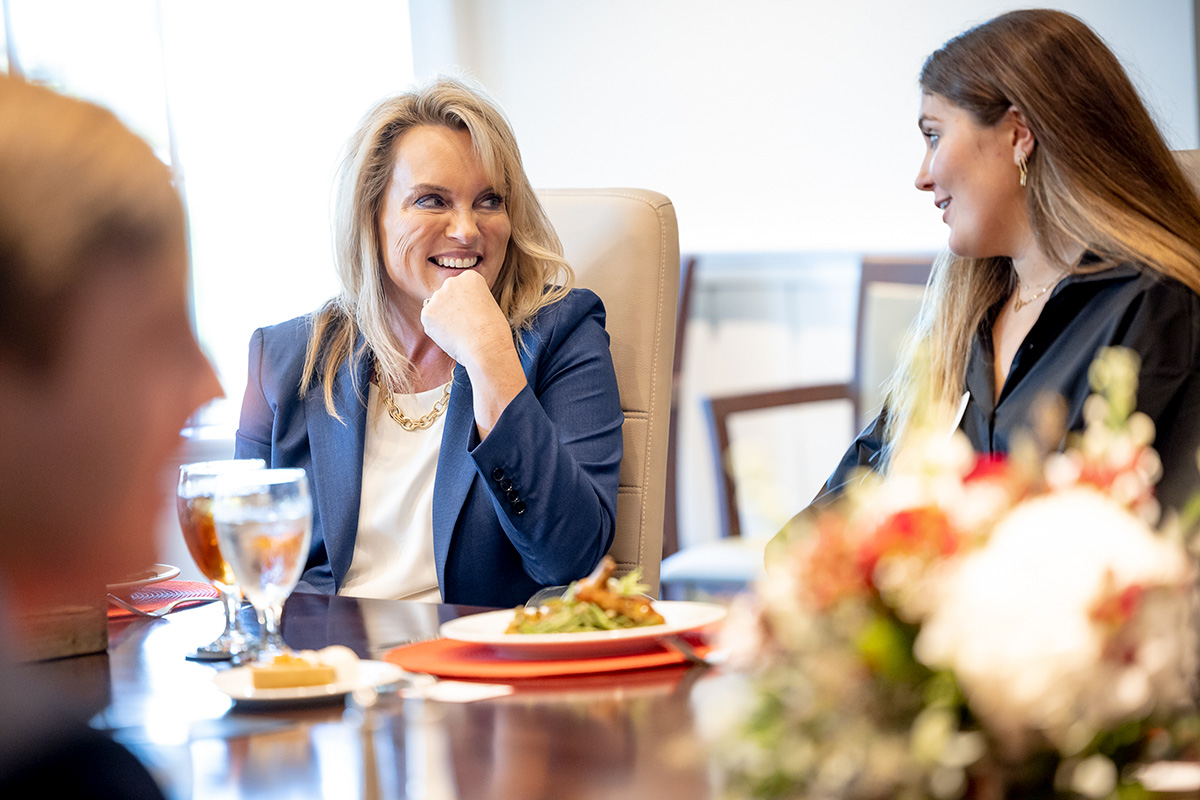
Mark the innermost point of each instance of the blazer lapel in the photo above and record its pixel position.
(337, 471)
(455, 470)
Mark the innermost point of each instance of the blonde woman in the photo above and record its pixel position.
(455, 405)
(1072, 228)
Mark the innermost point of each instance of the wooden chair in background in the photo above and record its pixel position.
(889, 296)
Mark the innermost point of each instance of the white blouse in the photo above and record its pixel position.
(393, 551)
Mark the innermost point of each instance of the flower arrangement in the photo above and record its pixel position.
(970, 626)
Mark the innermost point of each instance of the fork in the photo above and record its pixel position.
(156, 613)
(684, 648)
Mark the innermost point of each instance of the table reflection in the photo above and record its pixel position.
(596, 736)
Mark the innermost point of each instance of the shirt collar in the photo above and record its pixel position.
(1113, 272)
(1109, 273)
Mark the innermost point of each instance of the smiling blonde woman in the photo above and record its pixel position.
(455, 405)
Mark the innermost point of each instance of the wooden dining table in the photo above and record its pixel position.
(619, 735)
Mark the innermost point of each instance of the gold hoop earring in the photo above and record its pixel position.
(1023, 166)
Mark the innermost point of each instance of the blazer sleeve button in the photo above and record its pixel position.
(505, 484)
(497, 474)
(511, 494)
(518, 508)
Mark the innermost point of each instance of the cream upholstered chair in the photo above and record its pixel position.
(624, 245)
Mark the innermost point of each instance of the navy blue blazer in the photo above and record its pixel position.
(532, 505)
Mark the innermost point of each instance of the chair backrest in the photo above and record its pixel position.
(890, 292)
(687, 281)
(624, 245)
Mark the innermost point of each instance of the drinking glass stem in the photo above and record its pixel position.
(268, 621)
(232, 601)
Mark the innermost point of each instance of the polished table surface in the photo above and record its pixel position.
(626, 735)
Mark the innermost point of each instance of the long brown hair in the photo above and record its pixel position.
(1100, 176)
(533, 275)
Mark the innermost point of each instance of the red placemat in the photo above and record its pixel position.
(449, 658)
(154, 596)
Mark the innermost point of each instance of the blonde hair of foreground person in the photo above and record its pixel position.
(533, 275)
(99, 369)
(1100, 176)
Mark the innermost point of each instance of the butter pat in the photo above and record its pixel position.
(289, 671)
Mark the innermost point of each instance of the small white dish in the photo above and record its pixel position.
(488, 628)
(154, 574)
(238, 684)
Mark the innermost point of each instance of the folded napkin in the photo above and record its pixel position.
(449, 658)
(154, 596)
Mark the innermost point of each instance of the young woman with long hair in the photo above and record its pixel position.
(1072, 228)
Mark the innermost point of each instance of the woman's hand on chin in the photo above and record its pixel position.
(463, 320)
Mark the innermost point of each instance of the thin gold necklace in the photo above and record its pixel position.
(1018, 303)
(403, 420)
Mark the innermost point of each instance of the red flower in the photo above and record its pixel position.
(1115, 608)
(830, 570)
(924, 532)
(988, 466)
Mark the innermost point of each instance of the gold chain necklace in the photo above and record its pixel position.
(1018, 303)
(403, 420)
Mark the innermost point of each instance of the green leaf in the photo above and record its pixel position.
(886, 647)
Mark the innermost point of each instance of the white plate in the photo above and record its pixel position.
(238, 684)
(488, 628)
(155, 574)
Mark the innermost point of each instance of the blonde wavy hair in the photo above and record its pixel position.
(533, 275)
(1100, 177)
(79, 194)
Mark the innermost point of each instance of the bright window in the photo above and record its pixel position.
(254, 101)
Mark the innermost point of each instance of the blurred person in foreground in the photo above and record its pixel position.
(98, 372)
(1072, 228)
(455, 405)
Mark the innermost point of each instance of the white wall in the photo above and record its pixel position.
(774, 126)
(262, 109)
(263, 95)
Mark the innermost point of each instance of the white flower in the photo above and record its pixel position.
(1094, 777)
(1014, 621)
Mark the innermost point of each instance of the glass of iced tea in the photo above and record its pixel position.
(264, 525)
(194, 501)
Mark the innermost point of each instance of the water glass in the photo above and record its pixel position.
(264, 525)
